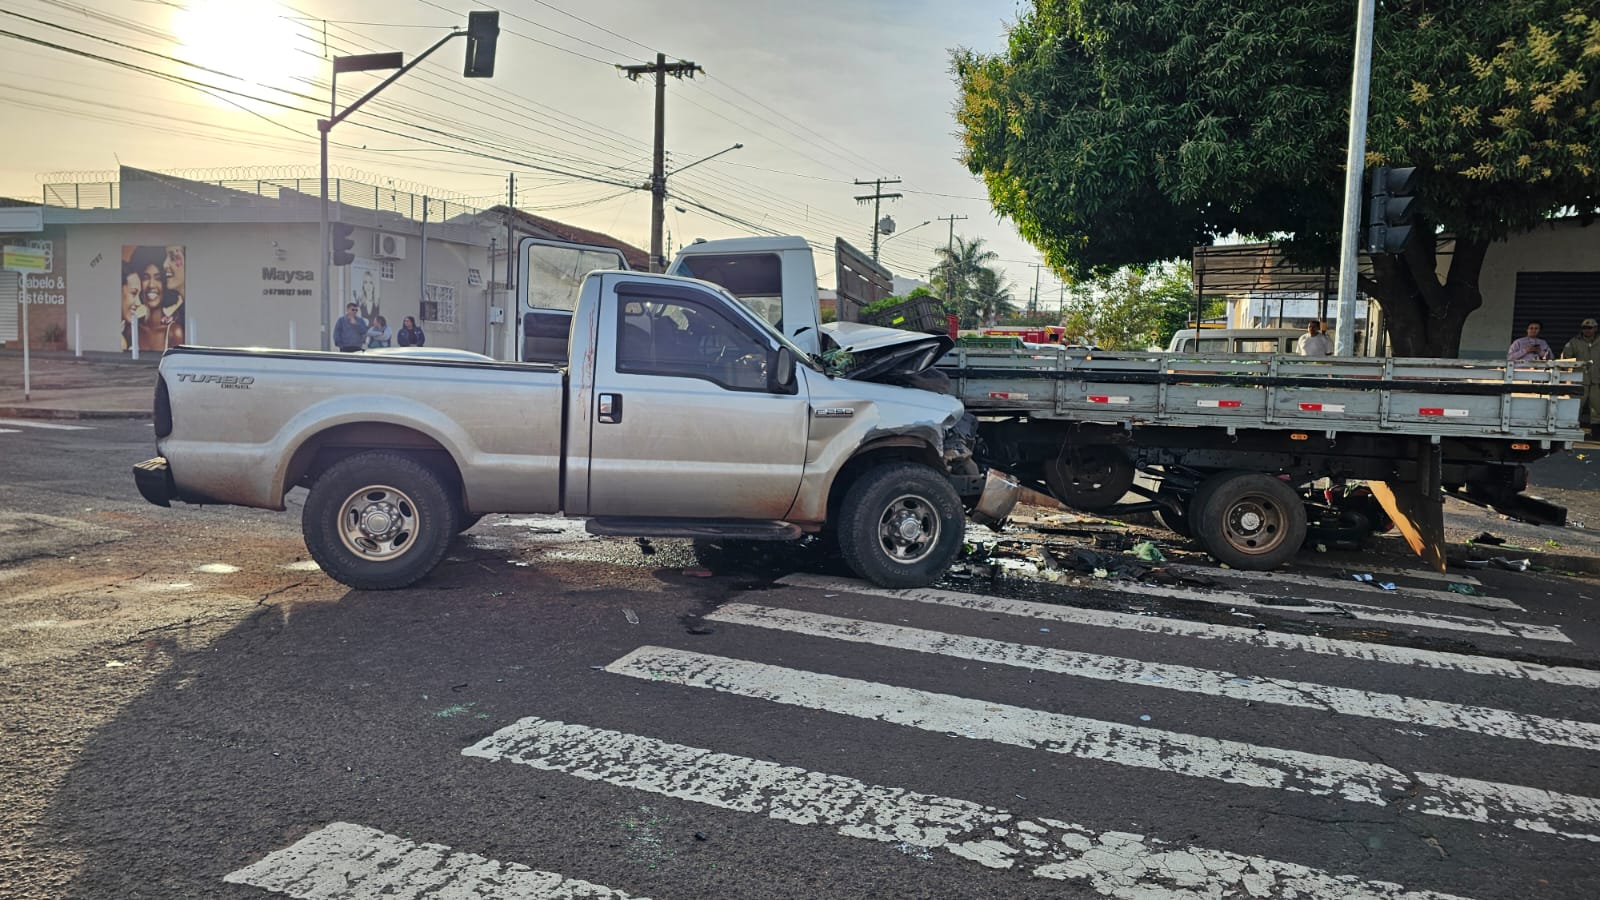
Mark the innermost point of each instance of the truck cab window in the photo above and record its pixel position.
(687, 339)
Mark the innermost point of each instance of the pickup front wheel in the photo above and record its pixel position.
(378, 521)
(901, 526)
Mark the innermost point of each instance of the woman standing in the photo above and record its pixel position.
(379, 335)
(409, 334)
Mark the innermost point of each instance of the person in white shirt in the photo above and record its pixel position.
(1314, 342)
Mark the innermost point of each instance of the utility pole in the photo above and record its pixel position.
(877, 197)
(1355, 161)
(658, 171)
(1033, 307)
(949, 259)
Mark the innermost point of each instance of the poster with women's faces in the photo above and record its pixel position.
(364, 288)
(154, 296)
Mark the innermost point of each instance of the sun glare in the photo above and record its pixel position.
(254, 40)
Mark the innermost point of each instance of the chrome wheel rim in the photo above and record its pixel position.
(908, 530)
(378, 523)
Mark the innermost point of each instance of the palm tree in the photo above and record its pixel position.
(960, 264)
(991, 297)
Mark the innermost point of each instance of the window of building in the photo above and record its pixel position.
(439, 304)
(386, 269)
(688, 339)
(474, 278)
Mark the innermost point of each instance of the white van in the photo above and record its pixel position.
(1236, 340)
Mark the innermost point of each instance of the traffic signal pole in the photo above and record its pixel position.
(1355, 161)
(482, 33)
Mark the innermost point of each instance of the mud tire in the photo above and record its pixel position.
(901, 525)
(379, 521)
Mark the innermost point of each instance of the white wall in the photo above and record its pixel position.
(246, 282)
(1562, 247)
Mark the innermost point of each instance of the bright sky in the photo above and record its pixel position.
(820, 92)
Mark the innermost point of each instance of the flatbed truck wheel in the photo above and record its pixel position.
(379, 520)
(1089, 478)
(1249, 520)
(901, 525)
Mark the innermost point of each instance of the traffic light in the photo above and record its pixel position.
(342, 241)
(1389, 208)
(483, 30)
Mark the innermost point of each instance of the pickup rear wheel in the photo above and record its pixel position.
(1249, 520)
(378, 521)
(901, 525)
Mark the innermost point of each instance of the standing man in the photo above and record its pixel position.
(1531, 347)
(350, 332)
(1314, 342)
(1585, 348)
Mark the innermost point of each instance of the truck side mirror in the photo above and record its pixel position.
(780, 374)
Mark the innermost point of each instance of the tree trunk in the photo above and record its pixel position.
(1422, 316)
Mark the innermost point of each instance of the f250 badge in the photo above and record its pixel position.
(834, 412)
(236, 382)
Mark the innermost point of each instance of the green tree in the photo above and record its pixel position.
(1134, 307)
(1128, 131)
(960, 267)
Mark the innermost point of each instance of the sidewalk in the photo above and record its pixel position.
(112, 386)
(64, 386)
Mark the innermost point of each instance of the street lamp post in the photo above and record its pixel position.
(482, 33)
(907, 231)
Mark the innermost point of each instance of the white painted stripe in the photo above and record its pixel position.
(1352, 584)
(1174, 753)
(49, 426)
(1114, 863)
(1361, 650)
(1356, 610)
(353, 862)
(10, 431)
(1303, 694)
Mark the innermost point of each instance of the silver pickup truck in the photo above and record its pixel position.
(678, 413)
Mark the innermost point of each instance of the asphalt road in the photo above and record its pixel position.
(190, 709)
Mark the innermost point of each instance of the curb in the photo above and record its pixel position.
(36, 412)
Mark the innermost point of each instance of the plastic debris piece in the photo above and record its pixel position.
(115, 664)
(631, 616)
(1044, 631)
(1512, 565)
(1322, 548)
(1362, 577)
(1386, 585)
(1145, 717)
(1148, 551)
(1457, 588)
(1487, 538)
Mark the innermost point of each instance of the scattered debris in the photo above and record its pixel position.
(1362, 577)
(115, 664)
(1386, 585)
(1148, 551)
(1511, 565)
(1145, 717)
(1458, 588)
(631, 616)
(1487, 538)
(647, 548)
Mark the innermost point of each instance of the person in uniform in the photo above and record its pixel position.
(1585, 348)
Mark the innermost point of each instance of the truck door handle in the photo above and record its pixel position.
(610, 408)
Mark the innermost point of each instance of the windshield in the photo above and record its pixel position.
(756, 279)
(801, 356)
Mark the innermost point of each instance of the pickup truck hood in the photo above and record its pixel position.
(880, 353)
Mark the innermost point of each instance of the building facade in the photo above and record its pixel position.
(152, 260)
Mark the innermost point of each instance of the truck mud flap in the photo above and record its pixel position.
(154, 480)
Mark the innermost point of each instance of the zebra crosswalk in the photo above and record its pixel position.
(863, 658)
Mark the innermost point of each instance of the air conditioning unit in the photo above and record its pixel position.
(388, 246)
